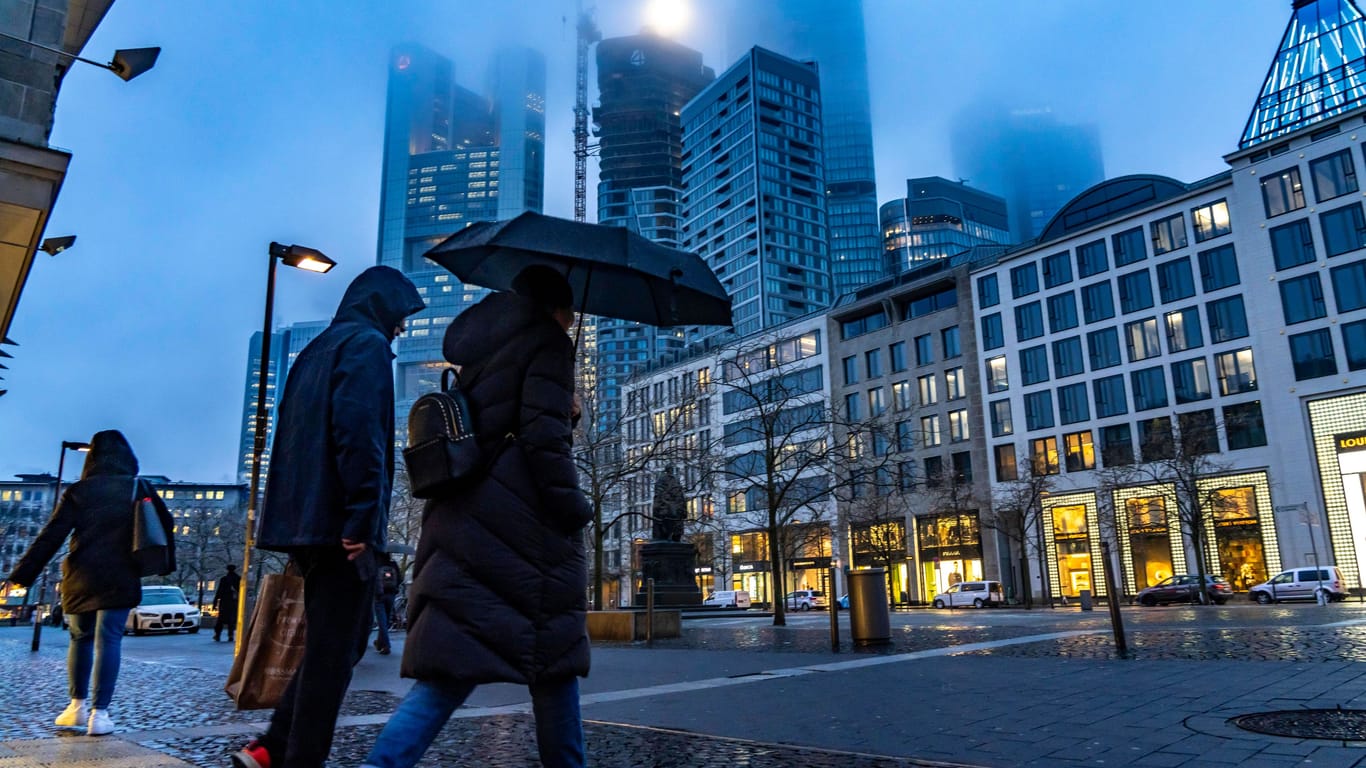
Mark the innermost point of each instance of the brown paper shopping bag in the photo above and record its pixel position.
(273, 646)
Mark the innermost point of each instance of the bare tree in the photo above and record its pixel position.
(405, 520)
(877, 521)
(1017, 513)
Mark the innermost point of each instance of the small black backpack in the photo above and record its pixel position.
(442, 450)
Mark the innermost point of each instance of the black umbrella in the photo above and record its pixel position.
(614, 272)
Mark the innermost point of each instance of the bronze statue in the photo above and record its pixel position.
(670, 507)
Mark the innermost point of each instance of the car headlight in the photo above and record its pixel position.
(142, 615)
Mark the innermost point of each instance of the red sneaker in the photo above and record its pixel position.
(252, 755)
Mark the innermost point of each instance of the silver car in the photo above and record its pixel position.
(1301, 584)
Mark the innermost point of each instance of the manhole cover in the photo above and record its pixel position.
(1334, 724)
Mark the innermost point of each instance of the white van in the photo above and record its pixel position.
(978, 594)
(728, 598)
(1301, 584)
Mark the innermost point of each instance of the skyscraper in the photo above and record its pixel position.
(830, 32)
(452, 157)
(937, 219)
(285, 346)
(754, 188)
(643, 82)
(1028, 156)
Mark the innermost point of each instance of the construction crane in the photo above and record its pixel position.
(587, 35)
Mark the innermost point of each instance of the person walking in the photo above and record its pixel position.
(327, 505)
(101, 582)
(500, 586)
(385, 593)
(225, 603)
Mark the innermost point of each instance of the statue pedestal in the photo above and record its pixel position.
(670, 564)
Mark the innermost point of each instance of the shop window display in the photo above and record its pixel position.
(1150, 540)
(1238, 533)
(950, 548)
(1074, 549)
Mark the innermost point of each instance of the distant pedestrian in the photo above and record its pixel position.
(385, 593)
(327, 505)
(500, 584)
(101, 581)
(225, 603)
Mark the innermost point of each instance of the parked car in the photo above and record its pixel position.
(978, 594)
(163, 609)
(1301, 584)
(728, 598)
(1182, 589)
(805, 599)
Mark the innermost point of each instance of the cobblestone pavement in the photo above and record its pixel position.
(1296, 644)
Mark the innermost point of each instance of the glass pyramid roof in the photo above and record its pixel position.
(1319, 70)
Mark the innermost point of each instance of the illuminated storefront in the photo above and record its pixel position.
(1072, 544)
(1150, 543)
(1243, 546)
(749, 556)
(950, 548)
(883, 545)
(1339, 431)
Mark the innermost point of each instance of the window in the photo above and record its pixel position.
(1198, 433)
(1135, 291)
(1043, 455)
(1302, 299)
(1028, 321)
(1110, 397)
(1150, 388)
(1079, 452)
(988, 292)
(905, 436)
(962, 466)
(1174, 280)
(877, 402)
(1282, 192)
(1005, 463)
(1155, 438)
(853, 406)
(1001, 423)
(1097, 302)
(1129, 246)
(1062, 312)
(924, 351)
(1103, 348)
(955, 384)
(929, 431)
(1292, 244)
(1211, 221)
(1183, 329)
(1038, 410)
(898, 353)
(1343, 229)
(1312, 355)
(1024, 280)
(1236, 372)
(1116, 445)
(1072, 404)
(861, 325)
(1033, 365)
(1067, 358)
(1349, 286)
(1334, 175)
(1169, 234)
(952, 341)
(1057, 269)
(1142, 339)
(1244, 426)
(1190, 380)
(934, 471)
(929, 394)
(1091, 259)
(1218, 268)
(873, 359)
(993, 336)
(901, 396)
(1227, 320)
(959, 430)
(851, 370)
(1354, 343)
(997, 379)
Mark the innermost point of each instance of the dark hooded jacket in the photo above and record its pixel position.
(500, 578)
(99, 572)
(332, 463)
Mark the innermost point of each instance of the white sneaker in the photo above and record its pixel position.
(100, 723)
(74, 716)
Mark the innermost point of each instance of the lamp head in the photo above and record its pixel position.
(128, 63)
(302, 257)
(68, 445)
(55, 245)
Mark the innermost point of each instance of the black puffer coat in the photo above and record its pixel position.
(99, 573)
(499, 591)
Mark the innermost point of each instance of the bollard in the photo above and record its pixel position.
(649, 613)
(834, 615)
(1084, 599)
(1116, 621)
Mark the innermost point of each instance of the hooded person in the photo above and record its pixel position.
(101, 581)
(327, 504)
(500, 580)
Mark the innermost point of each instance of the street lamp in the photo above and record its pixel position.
(299, 257)
(67, 445)
(128, 63)
(55, 245)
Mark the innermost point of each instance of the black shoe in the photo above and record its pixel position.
(384, 651)
(216, 639)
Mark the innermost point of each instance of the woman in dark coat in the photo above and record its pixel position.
(499, 592)
(101, 582)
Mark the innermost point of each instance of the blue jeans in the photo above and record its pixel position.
(427, 707)
(384, 609)
(96, 640)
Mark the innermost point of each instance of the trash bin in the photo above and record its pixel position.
(1085, 598)
(870, 616)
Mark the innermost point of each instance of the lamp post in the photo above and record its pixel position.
(67, 445)
(128, 63)
(299, 257)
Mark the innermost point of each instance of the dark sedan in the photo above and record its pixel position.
(1184, 589)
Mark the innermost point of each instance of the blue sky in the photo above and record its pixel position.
(263, 121)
